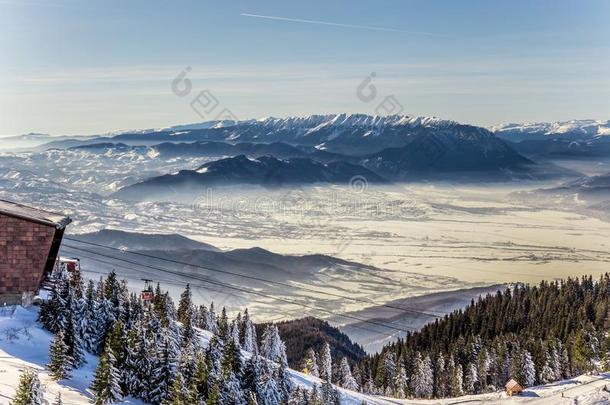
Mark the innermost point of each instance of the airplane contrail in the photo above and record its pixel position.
(334, 24)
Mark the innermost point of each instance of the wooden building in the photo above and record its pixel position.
(513, 388)
(29, 245)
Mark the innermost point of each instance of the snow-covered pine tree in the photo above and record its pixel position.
(214, 394)
(472, 379)
(315, 397)
(210, 321)
(330, 396)
(284, 382)
(440, 377)
(347, 380)
(547, 374)
(529, 370)
(177, 394)
(483, 364)
(267, 390)
(231, 360)
(457, 381)
(223, 325)
(423, 377)
(250, 340)
(234, 333)
(163, 372)
(272, 346)
(310, 363)
(106, 382)
(386, 370)
(185, 305)
(60, 362)
(29, 390)
(90, 328)
(298, 397)
(198, 389)
(202, 315)
(326, 363)
(72, 335)
(231, 391)
(400, 382)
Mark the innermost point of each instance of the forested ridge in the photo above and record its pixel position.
(299, 335)
(535, 334)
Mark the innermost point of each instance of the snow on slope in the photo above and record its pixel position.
(24, 344)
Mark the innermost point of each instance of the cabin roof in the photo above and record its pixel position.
(20, 211)
(512, 384)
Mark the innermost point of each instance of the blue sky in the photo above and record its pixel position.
(79, 67)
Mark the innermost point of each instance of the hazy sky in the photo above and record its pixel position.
(81, 67)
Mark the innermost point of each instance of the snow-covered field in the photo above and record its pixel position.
(24, 344)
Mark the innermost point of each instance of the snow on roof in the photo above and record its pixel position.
(512, 384)
(16, 210)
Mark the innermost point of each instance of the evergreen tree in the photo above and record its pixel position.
(457, 381)
(326, 363)
(347, 381)
(400, 383)
(29, 391)
(177, 393)
(250, 341)
(423, 378)
(198, 390)
(185, 306)
(106, 383)
(272, 346)
(330, 396)
(529, 370)
(60, 362)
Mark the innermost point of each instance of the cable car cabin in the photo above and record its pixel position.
(147, 294)
(72, 265)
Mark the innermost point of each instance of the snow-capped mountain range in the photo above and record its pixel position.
(574, 129)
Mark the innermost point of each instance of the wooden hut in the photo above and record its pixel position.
(513, 388)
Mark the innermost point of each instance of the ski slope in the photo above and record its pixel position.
(24, 344)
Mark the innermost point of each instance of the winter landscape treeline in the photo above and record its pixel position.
(534, 334)
(167, 355)
(163, 354)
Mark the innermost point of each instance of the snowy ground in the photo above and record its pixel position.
(23, 344)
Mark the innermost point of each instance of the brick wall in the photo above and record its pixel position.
(24, 249)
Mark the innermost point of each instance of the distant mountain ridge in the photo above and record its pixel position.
(574, 129)
(265, 171)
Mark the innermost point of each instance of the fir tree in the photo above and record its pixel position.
(347, 381)
(423, 378)
(106, 383)
(29, 391)
(177, 393)
(310, 363)
(529, 370)
(60, 362)
(185, 306)
(326, 363)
